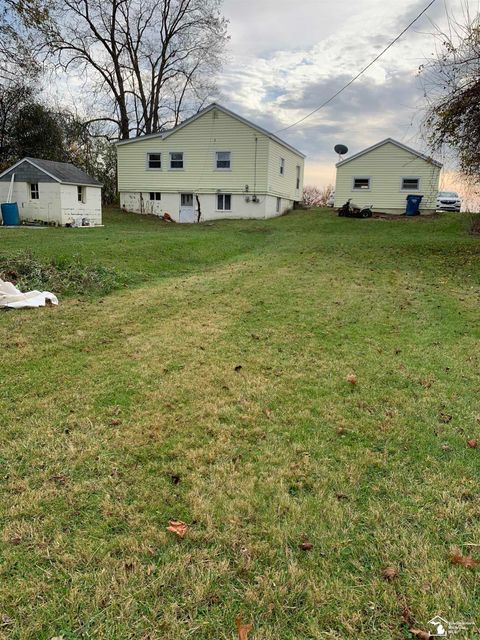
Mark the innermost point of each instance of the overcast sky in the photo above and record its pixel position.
(286, 57)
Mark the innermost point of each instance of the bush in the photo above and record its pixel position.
(474, 223)
(58, 275)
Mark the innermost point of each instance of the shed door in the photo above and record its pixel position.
(187, 210)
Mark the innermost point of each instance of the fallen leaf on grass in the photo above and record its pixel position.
(457, 557)
(418, 633)
(407, 615)
(238, 368)
(390, 573)
(473, 444)
(242, 629)
(178, 527)
(115, 422)
(305, 546)
(445, 418)
(341, 496)
(5, 621)
(352, 379)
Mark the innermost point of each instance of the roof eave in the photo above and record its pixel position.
(397, 144)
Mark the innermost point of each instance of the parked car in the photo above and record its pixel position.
(448, 201)
(331, 200)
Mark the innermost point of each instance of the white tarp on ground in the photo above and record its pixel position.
(13, 298)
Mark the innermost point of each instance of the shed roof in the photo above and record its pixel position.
(62, 172)
(397, 144)
(214, 105)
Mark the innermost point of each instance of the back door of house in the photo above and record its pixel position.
(187, 210)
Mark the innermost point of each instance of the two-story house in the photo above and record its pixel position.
(214, 165)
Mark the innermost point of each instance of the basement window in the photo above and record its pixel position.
(298, 177)
(81, 194)
(282, 166)
(224, 202)
(155, 195)
(279, 205)
(410, 184)
(154, 160)
(362, 184)
(34, 191)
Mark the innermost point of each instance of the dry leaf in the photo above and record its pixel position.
(473, 444)
(390, 573)
(418, 633)
(457, 557)
(178, 527)
(407, 615)
(305, 546)
(242, 629)
(341, 496)
(445, 418)
(238, 368)
(352, 379)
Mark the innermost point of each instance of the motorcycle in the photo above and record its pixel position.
(350, 210)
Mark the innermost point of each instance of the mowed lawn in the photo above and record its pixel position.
(212, 389)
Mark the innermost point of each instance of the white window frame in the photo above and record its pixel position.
(170, 168)
(223, 196)
(229, 168)
(33, 190)
(282, 167)
(354, 188)
(81, 194)
(299, 176)
(154, 194)
(403, 188)
(147, 160)
(186, 194)
(279, 205)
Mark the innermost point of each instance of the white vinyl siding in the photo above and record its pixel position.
(387, 165)
(254, 162)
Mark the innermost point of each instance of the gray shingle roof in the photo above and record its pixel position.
(64, 172)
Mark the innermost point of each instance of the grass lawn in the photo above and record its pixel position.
(120, 413)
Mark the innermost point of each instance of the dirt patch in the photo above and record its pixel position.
(424, 217)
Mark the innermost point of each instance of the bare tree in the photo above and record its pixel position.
(315, 197)
(145, 63)
(452, 88)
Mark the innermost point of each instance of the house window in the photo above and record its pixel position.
(176, 160)
(282, 166)
(34, 191)
(279, 204)
(155, 195)
(154, 160)
(224, 202)
(361, 183)
(410, 184)
(222, 160)
(186, 200)
(81, 194)
(298, 177)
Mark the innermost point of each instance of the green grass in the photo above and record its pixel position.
(118, 413)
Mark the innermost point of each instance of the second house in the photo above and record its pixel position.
(214, 165)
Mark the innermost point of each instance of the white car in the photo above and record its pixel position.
(448, 201)
(331, 200)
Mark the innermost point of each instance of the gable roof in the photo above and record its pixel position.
(62, 172)
(166, 134)
(397, 144)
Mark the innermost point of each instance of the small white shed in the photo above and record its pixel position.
(383, 175)
(53, 192)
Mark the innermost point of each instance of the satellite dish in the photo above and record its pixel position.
(341, 149)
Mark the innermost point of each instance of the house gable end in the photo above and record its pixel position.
(25, 171)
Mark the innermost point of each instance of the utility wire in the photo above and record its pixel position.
(324, 104)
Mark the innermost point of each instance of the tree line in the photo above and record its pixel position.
(140, 66)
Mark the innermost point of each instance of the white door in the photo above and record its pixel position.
(187, 210)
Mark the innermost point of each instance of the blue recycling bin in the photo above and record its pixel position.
(10, 214)
(413, 205)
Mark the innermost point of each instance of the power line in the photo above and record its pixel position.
(324, 104)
